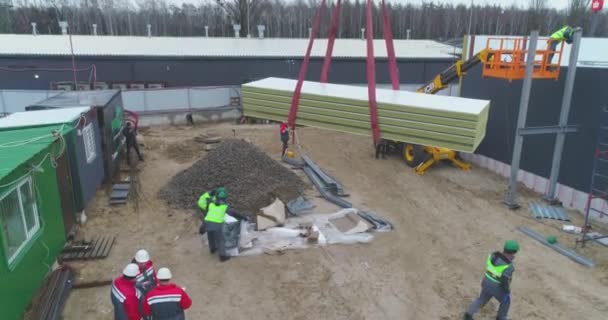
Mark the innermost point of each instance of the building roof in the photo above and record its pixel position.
(77, 99)
(84, 45)
(42, 117)
(20, 145)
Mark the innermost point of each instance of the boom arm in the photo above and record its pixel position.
(455, 71)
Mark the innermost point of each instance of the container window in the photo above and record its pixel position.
(89, 143)
(18, 218)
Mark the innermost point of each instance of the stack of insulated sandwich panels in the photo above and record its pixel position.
(440, 121)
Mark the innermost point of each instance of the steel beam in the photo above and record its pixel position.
(511, 197)
(548, 130)
(563, 117)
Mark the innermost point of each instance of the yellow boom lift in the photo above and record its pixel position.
(423, 157)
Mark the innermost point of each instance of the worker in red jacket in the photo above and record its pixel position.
(167, 301)
(284, 131)
(146, 279)
(125, 297)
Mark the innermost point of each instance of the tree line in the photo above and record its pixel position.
(440, 20)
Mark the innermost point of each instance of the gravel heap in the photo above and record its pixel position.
(251, 178)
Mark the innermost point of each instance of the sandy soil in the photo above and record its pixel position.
(430, 267)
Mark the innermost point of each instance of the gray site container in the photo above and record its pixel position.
(109, 109)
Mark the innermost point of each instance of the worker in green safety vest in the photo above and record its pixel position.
(566, 34)
(497, 281)
(203, 203)
(214, 223)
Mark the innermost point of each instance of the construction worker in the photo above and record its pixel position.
(566, 34)
(146, 278)
(214, 223)
(129, 132)
(203, 203)
(124, 295)
(167, 301)
(284, 131)
(497, 281)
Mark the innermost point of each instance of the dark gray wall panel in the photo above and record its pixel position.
(545, 103)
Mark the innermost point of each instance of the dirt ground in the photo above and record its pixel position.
(429, 267)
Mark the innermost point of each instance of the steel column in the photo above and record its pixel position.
(511, 197)
(563, 117)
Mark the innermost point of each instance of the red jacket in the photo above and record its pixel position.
(125, 299)
(147, 273)
(283, 128)
(167, 302)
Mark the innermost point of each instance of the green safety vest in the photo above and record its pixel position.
(559, 34)
(494, 273)
(216, 213)
(203, 201)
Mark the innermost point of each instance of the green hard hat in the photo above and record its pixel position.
(511, 245)
(221, 193)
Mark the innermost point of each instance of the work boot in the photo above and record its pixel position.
(467, 317)
(224, 258)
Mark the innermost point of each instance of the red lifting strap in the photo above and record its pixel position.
(293, 112)
(371, 74)
(335, 19)
(390, 49)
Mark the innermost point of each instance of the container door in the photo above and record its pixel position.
(66, 192)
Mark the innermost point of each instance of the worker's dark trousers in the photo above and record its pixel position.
(490, 290)
(552, 46)
(215, 237)
(136, 147)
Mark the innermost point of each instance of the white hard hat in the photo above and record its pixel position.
(142, 256)
(131, 270)
(164, 274)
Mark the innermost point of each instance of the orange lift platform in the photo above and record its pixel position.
(506, 59)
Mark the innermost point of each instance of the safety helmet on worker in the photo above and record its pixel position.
(221, 193)
(131, 270)
(142, 256)
(511, 246)
(164, 274)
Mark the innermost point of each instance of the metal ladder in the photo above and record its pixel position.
(599, 175)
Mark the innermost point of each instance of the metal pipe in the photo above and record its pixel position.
(563, 116)
(557, 247)
(511, 197)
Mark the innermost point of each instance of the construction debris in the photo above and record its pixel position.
(99, 248)
(351, 223)
(308, 231)
(331, 190)
(300, 205)
(48, 305)
(541, 211)
(271, 216)
(380, 224)
(557, 247)
(331, 184)
(253, 179)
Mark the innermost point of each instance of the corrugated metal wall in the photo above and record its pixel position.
(206, 72)
(590, 95)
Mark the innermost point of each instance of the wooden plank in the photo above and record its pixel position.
(107, 251)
